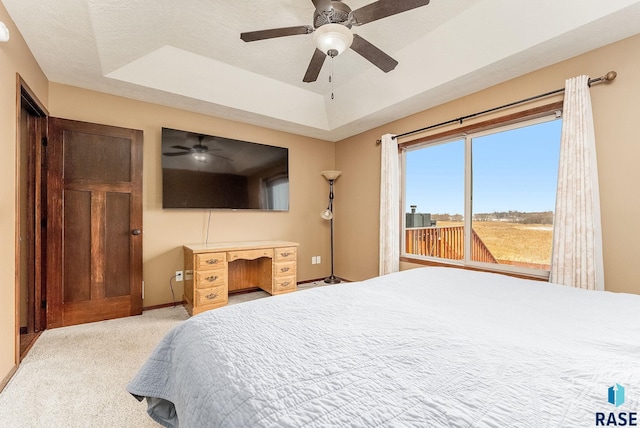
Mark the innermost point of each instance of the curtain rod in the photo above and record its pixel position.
(606, 78)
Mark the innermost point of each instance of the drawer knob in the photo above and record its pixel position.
(211, 278)
(212, 261)
(284, 269)
(286, 283)
(211, 296)
(285, 254)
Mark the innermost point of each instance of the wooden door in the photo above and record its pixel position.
(94, 267)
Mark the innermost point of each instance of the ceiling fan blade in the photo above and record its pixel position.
(252, 36)
(181, 148)
(374, 55)
(314, 66)
(383, 8)
(176, 154)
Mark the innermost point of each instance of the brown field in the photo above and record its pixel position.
(515, 242)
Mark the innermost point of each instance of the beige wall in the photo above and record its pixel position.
(15, 57)
(165, 231)
(616, 110)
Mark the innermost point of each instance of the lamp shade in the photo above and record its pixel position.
(326, 214)
(331, 175)
(333, 36)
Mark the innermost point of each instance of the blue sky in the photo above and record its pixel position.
(512, 170)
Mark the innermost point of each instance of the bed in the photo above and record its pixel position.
(428, 347)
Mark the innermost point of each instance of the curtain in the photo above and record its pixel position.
(576, 258)
(389, 207)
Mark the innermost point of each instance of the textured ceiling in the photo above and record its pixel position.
(189, 54)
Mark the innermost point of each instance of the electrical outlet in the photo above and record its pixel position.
(179, 276)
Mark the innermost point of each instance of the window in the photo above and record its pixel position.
(277, 193)
(485, 199)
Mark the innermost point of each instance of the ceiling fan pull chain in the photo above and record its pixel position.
(331, 77)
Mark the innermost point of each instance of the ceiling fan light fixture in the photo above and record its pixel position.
(200, 157)
(334, 37)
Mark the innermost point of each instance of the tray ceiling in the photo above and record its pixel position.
(189, 54)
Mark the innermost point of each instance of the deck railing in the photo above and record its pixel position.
(445, 242)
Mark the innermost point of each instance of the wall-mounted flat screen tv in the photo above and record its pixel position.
(209, 172)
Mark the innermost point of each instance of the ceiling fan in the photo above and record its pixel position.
(199, 151)
(332, 22)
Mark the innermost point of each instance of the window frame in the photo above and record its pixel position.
(529, 117)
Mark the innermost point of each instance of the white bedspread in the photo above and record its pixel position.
(430, 347)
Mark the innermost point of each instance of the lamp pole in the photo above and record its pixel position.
(328, 215)
(331, 279)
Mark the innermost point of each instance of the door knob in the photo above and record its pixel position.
(136, 232)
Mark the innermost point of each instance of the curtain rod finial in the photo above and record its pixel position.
(610, 76)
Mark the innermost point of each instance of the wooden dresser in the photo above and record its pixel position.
(214, 270)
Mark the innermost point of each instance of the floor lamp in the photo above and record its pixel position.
(327, 214)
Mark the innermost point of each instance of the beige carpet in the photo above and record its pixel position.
(76, 376)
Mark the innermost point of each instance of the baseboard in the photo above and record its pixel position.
(310, 280)
(322, 279)
(244, 291)
(164, 305)
(8, 377)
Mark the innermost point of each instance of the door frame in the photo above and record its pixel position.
(25, 97)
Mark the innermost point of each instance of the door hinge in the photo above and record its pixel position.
(43, 304)
(45, 141)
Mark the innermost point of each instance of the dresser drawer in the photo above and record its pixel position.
(284, 284)
(285, 253)
(208, 261)
(286, 268)
(250, 254)
(212, 296)
(211, 278)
